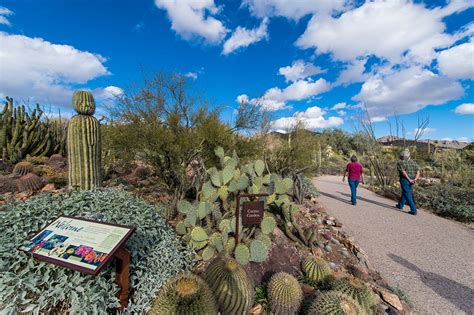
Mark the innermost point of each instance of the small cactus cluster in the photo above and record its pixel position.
(23, 168)
(316, 270)
(357, 290)
(84, 144)
(185, 294)
(29, 182)
(334, 303)
(284, 294)
(23, 133)
(230, 284)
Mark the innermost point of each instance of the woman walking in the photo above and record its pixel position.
(354, 172)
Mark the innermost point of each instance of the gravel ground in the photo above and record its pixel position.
(429, 257)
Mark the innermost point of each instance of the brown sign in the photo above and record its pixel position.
(79, 244)
(252, 212)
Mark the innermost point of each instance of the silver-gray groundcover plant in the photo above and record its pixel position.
(28, 285)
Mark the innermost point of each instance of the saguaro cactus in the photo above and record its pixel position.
(83, 144)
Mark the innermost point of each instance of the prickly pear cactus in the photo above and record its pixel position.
(83, 144)
(230, 284)
(357, 290)
(284, 294)
(316, 270)
(185, 294)
(334, 303)
(242, 254)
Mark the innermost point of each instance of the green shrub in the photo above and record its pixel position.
(156, 255)
(443, 199)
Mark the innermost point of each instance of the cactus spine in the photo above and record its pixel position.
(334, 303)
(183, 295)
(357, 290)
(316, 270)
(284, 294)
(23, 168)
(83, 144)
(231, 286)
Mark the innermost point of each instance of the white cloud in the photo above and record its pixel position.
(464, 139)
(108, 93)
(339, 106)
(465, 109)
(341, 113)
(192, 75)
(312, 118)
(44, 72)
(377, 119)
(243, 98)
(191, 18)
(243, 37)
(353, 72)
(458, 62)
(4, 12)
(291, 9)
(299, 70)
(407, 91)
(387, 29)
(425, 131)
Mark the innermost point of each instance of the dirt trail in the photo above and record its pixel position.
(429, 257)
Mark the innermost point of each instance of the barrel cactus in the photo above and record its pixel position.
(29, 182)
(83, 144)
(316, 270)
(22, 168)
(185, 294)
(334, 303)
(357, 290)
(230, 284)
(284, 294)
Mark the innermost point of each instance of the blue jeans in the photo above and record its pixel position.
(406, 195)
(353, 185)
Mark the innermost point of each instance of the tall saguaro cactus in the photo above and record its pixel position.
(83, 144)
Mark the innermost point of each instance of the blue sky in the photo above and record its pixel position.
(318, 61)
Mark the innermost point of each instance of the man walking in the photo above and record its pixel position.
(409, 173)
(354, 172)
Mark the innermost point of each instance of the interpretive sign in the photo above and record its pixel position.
(252, 212)
(79, 244)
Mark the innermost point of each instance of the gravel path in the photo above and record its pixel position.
(429, 257)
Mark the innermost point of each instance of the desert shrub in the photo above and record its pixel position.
(29, 285)
(442, 199)
(446, 200)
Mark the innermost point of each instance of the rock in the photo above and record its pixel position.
(337, 223)
(320, 244)
(345, 254)
(332, 265)
(335, 241)
(317, 251)
(328, 248)
(48, 188)
(307, 289)
(359, 271)
(22, 196)
(144, 182)
(256, 310)
(329, 222)
(391, 299)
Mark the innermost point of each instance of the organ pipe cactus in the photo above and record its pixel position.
(83, 144)
(230, 284)
(25, 133)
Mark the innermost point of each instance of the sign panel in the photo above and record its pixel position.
(252, 212)
(79, 244)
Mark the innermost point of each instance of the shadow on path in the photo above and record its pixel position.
(372, 201)
(456, 293)
(335, 197)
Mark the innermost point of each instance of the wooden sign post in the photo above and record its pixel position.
(86, 246)
(252, 213)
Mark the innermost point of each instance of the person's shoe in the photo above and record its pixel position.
(398, 206)
(412, 213)
(354, 204)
